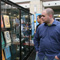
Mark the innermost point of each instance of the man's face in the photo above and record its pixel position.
(45, 17)
(38, 19)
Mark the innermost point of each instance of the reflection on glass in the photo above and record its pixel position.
(25, 33)
(14, 29)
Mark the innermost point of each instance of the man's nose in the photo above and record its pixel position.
(41, 16)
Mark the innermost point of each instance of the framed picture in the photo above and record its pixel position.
(7, 52)
(7, 36)
(2, 25)
(6, 21)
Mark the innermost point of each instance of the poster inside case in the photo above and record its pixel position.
(7, 36)
(6, 21)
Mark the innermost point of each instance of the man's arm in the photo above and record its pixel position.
(58, 56)
(36, 40)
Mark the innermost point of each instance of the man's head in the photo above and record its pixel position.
(47, 15)
(39, 20)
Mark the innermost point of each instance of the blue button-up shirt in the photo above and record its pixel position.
(49, 37)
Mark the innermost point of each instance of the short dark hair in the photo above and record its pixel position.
(39, 16)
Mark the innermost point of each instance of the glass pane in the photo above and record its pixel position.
(10, 31)
(25, 34)
(32, 32)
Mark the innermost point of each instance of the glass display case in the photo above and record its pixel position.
(10, 31)
(26, 33)
(15, 31)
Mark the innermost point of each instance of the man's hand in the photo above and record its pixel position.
(56, 58)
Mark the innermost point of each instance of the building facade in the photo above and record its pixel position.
(36, 6)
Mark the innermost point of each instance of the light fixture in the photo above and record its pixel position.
(6, 4)
(59, 15)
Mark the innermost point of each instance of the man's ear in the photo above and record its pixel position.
(50, 15)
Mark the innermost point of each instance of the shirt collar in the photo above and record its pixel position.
(53, 24)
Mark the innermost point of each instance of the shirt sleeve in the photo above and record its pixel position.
(36, 40)
(59, 43)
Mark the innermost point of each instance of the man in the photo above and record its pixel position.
(39, 20)
(49, 35)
